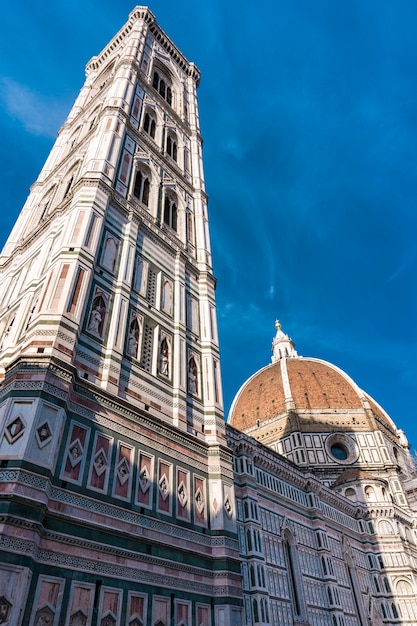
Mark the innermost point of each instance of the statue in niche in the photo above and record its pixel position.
(163, 359)
(192, 376)
(133, 338)
(97, 315)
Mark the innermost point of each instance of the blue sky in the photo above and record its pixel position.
(309, 117)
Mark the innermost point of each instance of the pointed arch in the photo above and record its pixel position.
(165, 356)
(110, 253)
(162, 82)
(134, 335)
(98, 314)
(193, 376)
(170, 217)
(167, 291)
(149, 122)
(142, 184)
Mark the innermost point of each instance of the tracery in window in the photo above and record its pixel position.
(172, 146)
(149, 124)
(162, 86)
(142, 186)
(170, 211)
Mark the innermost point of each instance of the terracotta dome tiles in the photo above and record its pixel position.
(316, 385)
(261, 397)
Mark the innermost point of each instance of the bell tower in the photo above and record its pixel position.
(112, 436)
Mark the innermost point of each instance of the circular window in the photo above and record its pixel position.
(339, 452)
(341, 448)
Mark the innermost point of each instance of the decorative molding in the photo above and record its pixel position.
(136, 574)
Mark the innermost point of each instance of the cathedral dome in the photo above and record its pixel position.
(295, 393)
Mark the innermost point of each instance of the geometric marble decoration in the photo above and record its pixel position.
(43, 435)
(215, 505)
(108, 620)
(199, 501)
(123, 471)
(44, 616)
(144, 479)
(14, 430)
(228, 507)
(135, 622)
(5, 607)
(182, 494)
(164, 487)
(78, 619)
(75, 452)
(100, 462)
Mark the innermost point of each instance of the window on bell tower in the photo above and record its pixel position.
(170, 211)
(149, 124)
(142, 187)
(162, 85)
(172, 146)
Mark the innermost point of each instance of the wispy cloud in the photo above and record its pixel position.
(39, 114)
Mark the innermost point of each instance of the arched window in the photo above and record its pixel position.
(172, 146)
(252, 576)
(142, 187)
(149, 124)
(68, 186)
(167, 296)
(387, 585)
(162, 86)
(7, 332)
(370, 493)
(255, 610)
(376, 584)
(351, 494)
(385, 527)
(263, 615)
(246, 509)
(394, 611)
(330, 595)
(404, 588)
(294, 572)
(170, 211)
(249, 540)
(109, 257)
(266, 611)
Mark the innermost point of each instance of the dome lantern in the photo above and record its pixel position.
(282, 345)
